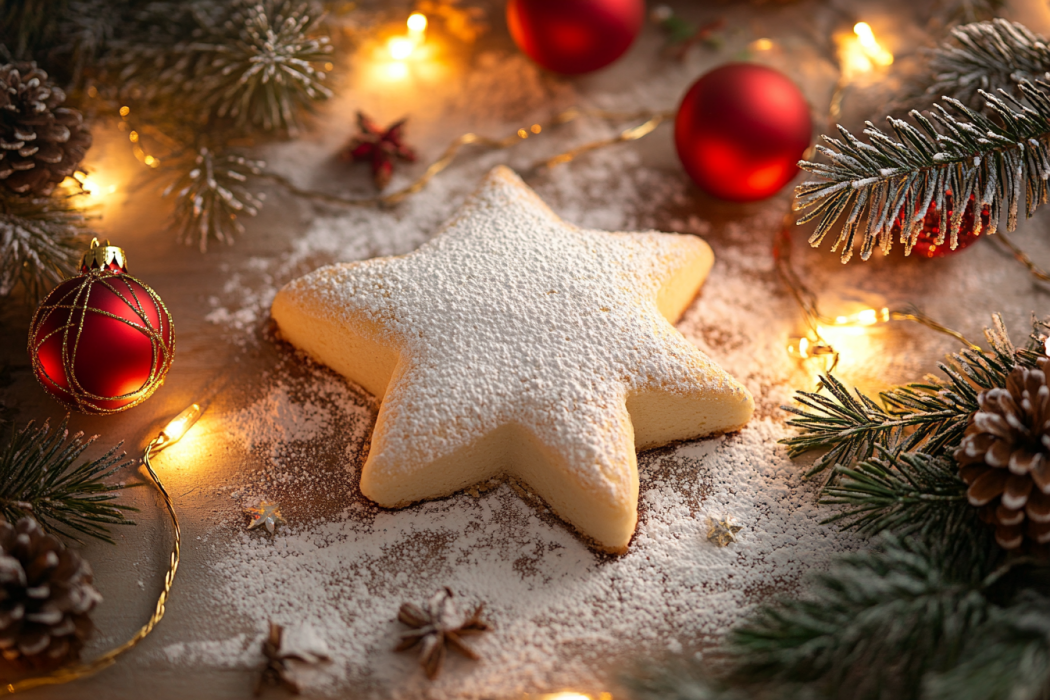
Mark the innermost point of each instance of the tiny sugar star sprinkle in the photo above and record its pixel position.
(722, 532)
(266, 514)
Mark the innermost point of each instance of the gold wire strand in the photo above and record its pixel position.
(809, 304)
(652, 120)
(1005, 243)
(79, 671)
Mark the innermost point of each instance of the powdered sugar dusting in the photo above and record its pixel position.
(564, 616)
(512, 317)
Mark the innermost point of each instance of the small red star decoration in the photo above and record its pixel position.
(381, 147)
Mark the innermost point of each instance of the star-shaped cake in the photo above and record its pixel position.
(515, 344)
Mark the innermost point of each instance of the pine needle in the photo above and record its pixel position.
(1002, 160)
(906, 494)
(987, 56)
(38, 478)
(876, 621)
(39, 242)
(929, 416)
(211, 194)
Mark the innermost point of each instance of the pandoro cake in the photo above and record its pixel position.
(515, 344)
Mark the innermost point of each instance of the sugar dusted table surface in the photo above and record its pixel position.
(280, 429)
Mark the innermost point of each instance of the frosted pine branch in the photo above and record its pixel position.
(39, 242)
(987, 56)
(255, 63)
(955, 152)
(210, 193)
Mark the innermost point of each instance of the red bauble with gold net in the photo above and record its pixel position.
(102, 342)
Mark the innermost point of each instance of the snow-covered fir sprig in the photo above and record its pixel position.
(211, 192)
(39, 242)
(265, 73)
(928, 417)
(257, 63)
(986, 56)
(997, 159)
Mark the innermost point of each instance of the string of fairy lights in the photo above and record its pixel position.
(859, 53)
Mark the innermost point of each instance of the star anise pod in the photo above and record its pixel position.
(380, 147)
(276, 671)
(436, 626)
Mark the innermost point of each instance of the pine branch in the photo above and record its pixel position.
(256, 63)
(953, 12)
(907, 494)
(38, 479)
(875, 622)
(1001, 161)
(987, 56)
(39, 242)
(210, 193)
(1008, 657)
(929, 416)
(681, 680)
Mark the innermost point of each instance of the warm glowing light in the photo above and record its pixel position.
(804, 348)
(95, 187)
(417, 23)
(151, 161)
(178, 426)
(867, 317)
(861, 52)
(523, 134)
(125, 111)
(396, 70)
(569, 695)
(870, 45)
(845, 329)
(400, 47)
(762, 44)
(535, 128)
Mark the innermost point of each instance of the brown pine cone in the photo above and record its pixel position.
(1005, 458)
(41, 142)
(45, 596)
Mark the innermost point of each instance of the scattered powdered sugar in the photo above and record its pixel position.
(565, 617)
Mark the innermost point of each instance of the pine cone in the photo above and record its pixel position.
(45, 596)
(1005, 458)
(41, 142)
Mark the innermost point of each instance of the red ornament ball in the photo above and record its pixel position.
(926, 243)
(741, 130)
(101, 342)
(574, 36)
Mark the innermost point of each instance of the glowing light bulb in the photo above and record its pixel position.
(400, 47)
(861, 52)
(871, 46)
(178, 426)
(417, 24)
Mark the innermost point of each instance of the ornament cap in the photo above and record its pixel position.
(104, 257)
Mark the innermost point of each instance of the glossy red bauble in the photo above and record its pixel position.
(926, 243)
(574, 36)
(101, 342)
(741, 130)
